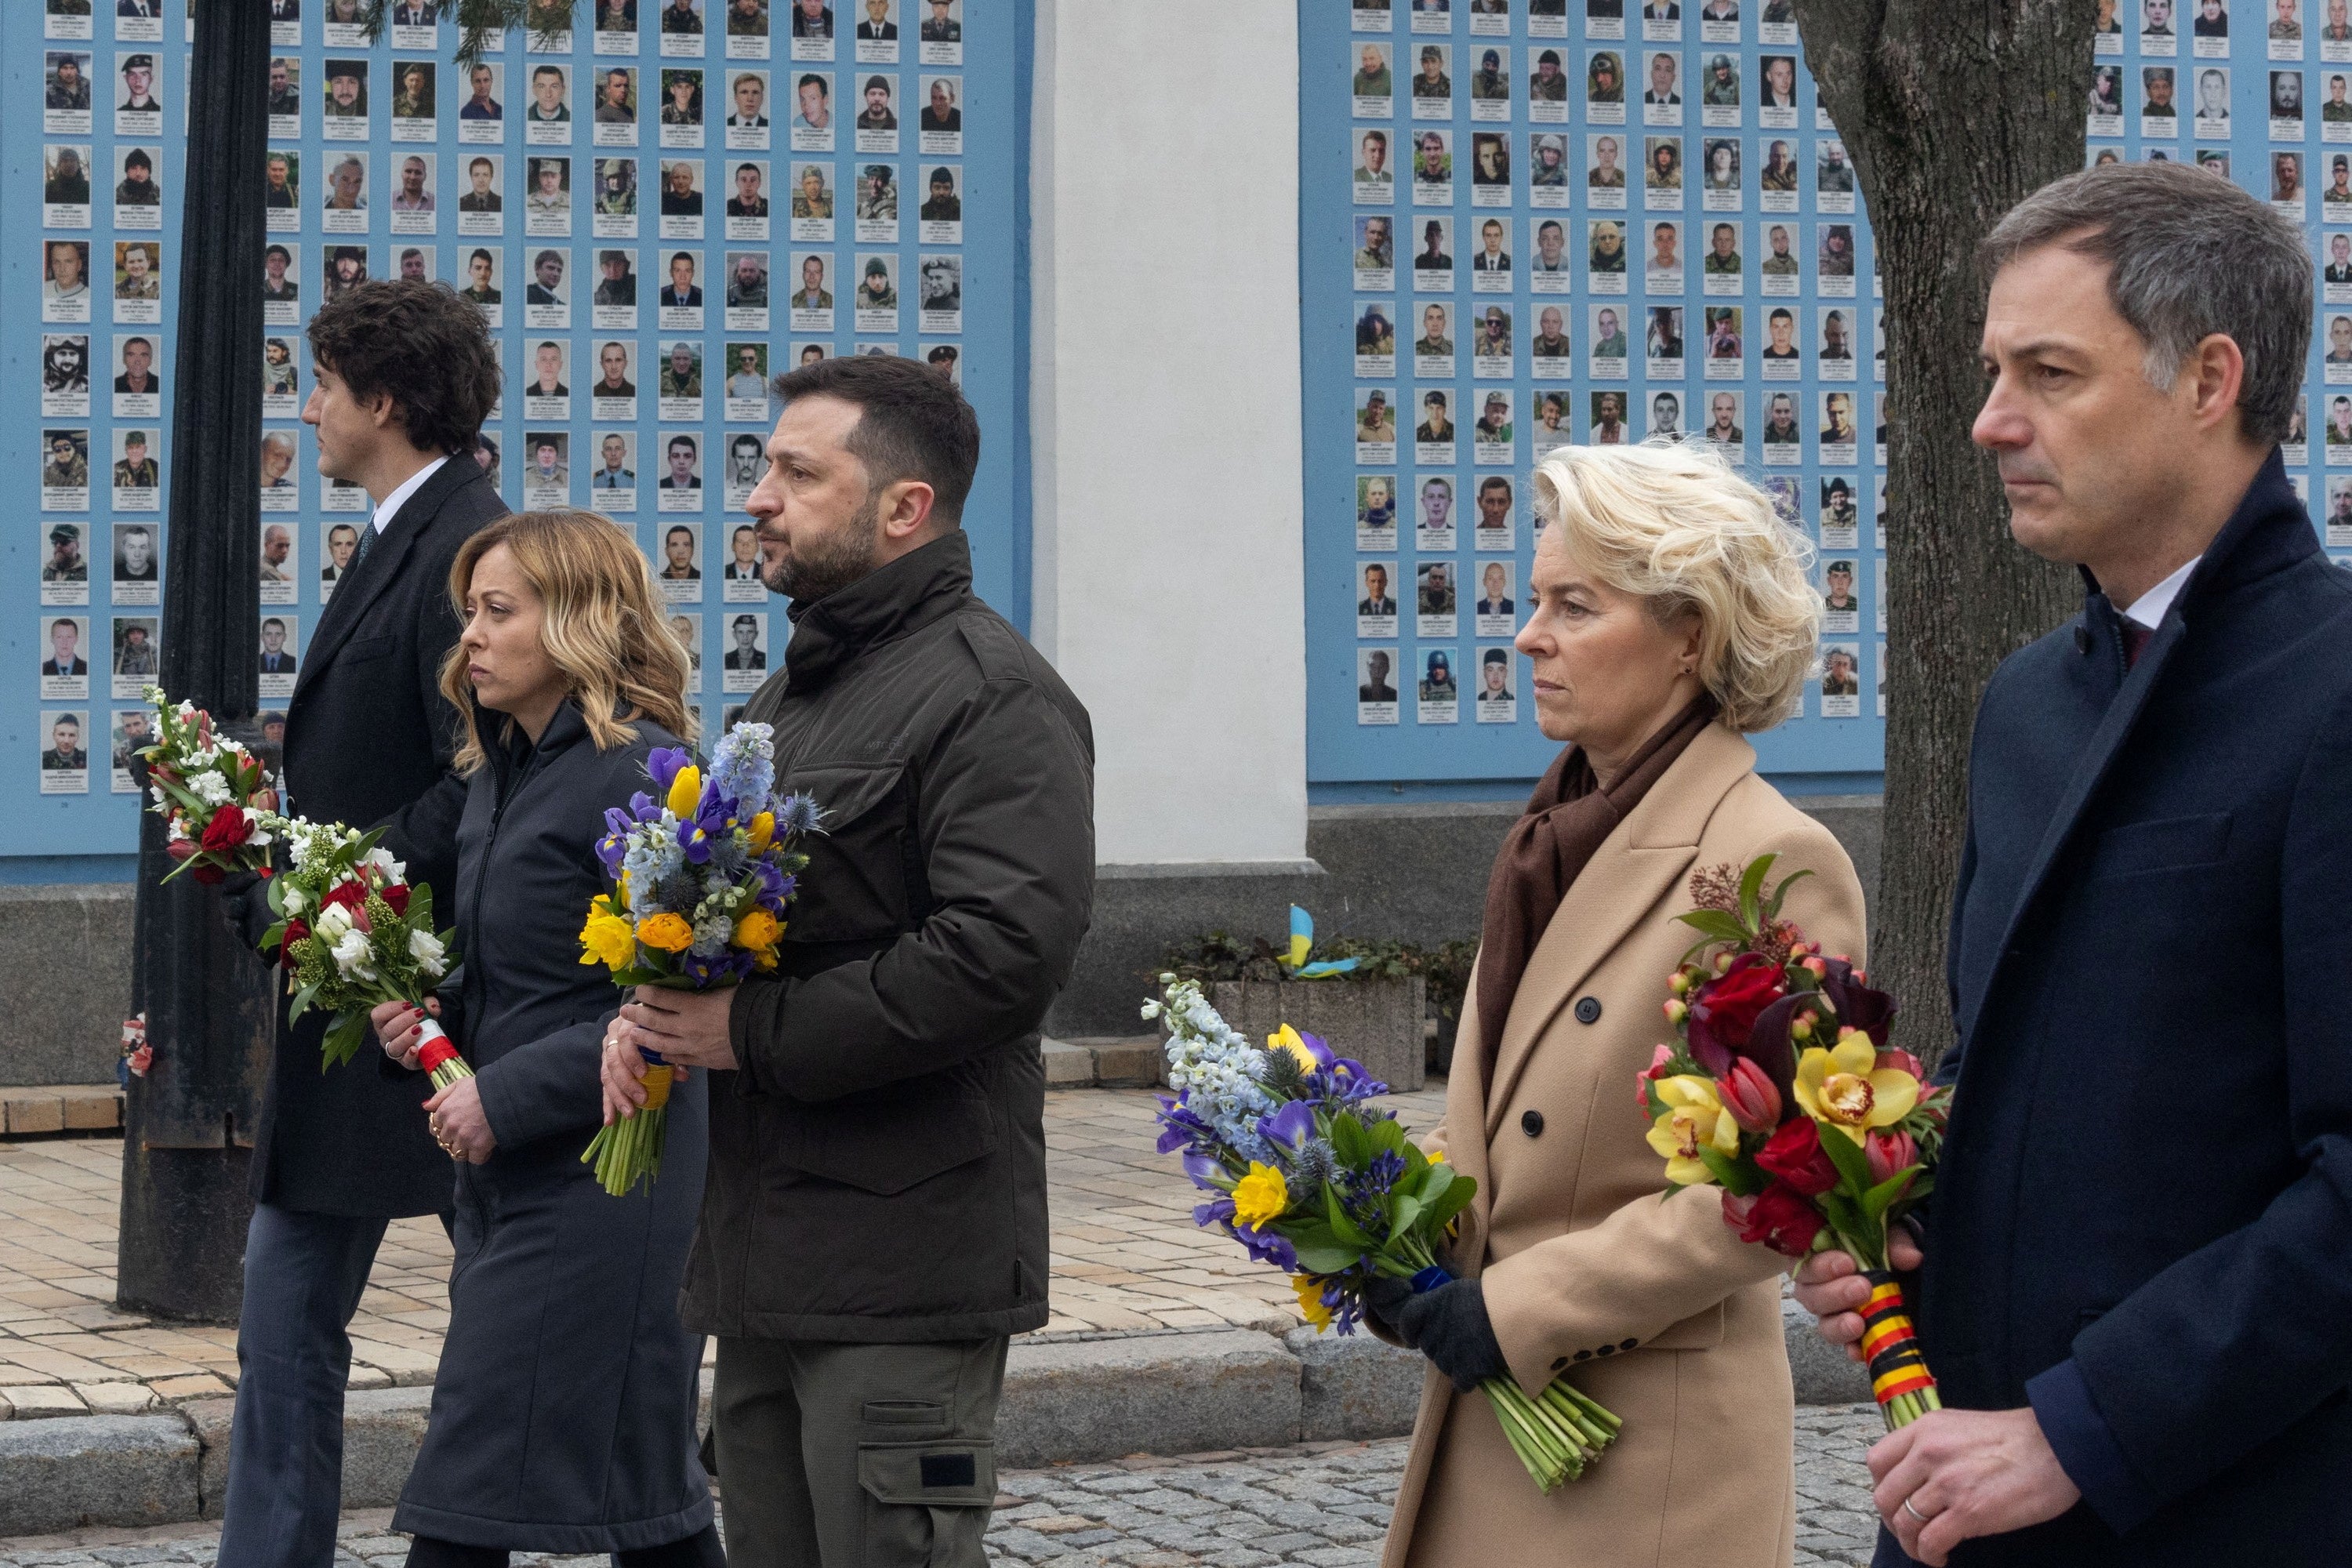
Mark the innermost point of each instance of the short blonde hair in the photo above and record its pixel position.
(1674, 526)
(604, 628)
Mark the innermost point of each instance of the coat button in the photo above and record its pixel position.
(1588, 1009)
(1532, 1123)
(1584, 1355)
(1629, 1344)
(1558, 1362)
(1608, 1350)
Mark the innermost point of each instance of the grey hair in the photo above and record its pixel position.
(2190, 255)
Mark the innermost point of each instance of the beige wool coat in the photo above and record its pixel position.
(1654, 1307)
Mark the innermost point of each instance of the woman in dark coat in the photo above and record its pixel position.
(563, 1413)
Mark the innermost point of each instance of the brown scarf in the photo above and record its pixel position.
(1567, 819)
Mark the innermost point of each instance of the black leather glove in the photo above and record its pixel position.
(245, 902)
(1449, 1325)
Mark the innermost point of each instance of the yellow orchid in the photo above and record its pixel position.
(685, 792)
(607, 939)
(762, 832)
(1310, 1301)
(757, 930)
(1846, 1087)
(1694, 1119)
(1286, 1040)
(670, 932)
(1261, 1195)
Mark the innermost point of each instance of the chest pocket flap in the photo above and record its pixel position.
(863, 868)
(2167, 843)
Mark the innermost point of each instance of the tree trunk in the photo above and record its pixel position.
(1950, 114)
(210, 1005)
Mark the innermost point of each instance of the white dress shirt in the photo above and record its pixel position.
(2148, 610)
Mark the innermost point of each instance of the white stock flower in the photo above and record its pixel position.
(210, 788)
(381, 859)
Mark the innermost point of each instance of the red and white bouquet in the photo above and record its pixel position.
(218, 810)
(351, 933)
(1781, 1089)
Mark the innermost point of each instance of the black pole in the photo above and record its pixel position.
(210, 1005)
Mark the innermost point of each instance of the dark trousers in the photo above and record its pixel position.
(848, 1455)
(698, 1550)
(303, 1277)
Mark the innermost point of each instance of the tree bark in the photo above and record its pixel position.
(1950, 114)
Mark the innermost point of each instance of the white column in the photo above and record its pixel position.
(1167, 578)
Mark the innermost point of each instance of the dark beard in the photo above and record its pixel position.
(807, 573)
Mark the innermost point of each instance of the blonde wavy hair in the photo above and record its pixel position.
(1673, 525)
(604, 626)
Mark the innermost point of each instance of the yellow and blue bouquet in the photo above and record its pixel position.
(701, 878)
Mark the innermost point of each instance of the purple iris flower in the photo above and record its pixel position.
(643, 807)
(1267, 1246)
(1204, 1172)
(1291, 1126)
(663, 762)
(1217, 1211)
(1182, 1127)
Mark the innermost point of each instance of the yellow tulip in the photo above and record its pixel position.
(1846, 1089)
(1310, 1301)
(757, 930)
(1694, 1119)
(1261, 1195)
(607, 939)
(762, 832)
(685, 792)
(668, 933)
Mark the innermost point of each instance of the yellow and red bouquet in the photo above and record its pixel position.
(1781, 1089)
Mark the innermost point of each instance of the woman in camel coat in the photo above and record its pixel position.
(1672, 613)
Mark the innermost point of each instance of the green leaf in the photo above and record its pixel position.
(1853, 1165)
(1847, 1221)
(1714, 924)
(1349, 1142)
(1751, 881)
(1346, 1229)
(1321, 1258)
(1772, 904)
(1875, 1202)
(343, 1039)
(1438, 1212)
(1402, 1217)
(1738, 1177)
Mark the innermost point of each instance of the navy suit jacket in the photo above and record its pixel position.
(2143, 1222)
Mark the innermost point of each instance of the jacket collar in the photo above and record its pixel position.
(888, 602)
(364, 585)
(2269, 532)
(1633, 869)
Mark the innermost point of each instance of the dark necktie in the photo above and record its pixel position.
(2135, 641)
(367, 539)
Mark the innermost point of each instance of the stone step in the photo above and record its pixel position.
(1101, 1061)
(32, 1110)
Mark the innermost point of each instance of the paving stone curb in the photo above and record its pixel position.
(1068, 1399)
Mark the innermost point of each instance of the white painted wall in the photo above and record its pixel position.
(1165, 416)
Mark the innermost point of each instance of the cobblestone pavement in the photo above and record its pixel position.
(1326, 1505)
(1126, 1254)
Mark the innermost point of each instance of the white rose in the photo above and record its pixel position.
(426, 948)
(332, 922)
(292, 900)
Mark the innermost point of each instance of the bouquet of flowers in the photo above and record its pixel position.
(700, 878)
(1310, 1177)
(211, 793)
(1781, 1090)
(350, 933)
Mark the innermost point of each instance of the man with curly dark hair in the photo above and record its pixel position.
(405, 376)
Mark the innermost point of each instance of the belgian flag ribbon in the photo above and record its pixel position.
(1899, 1379)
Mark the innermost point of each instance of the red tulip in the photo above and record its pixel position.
(180, 848)
(1889, 1150)
(397, 896)
(228, 828)
(1749, 1093)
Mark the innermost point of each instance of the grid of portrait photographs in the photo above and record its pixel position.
(1522, 193)
(657, 214)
